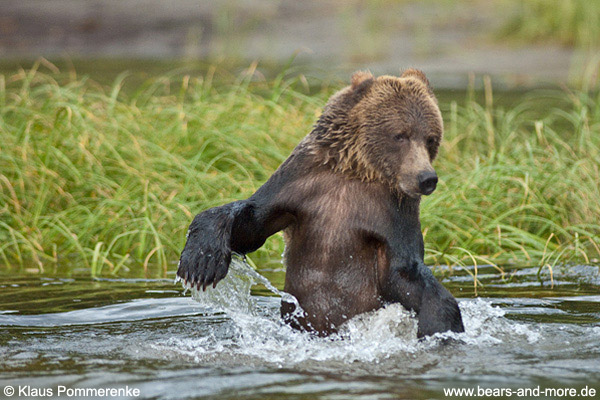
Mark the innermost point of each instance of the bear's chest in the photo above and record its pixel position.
(336, 222)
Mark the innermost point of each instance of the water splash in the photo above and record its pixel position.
(232, 294)
(256, 332)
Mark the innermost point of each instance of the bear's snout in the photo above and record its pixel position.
(427, 182)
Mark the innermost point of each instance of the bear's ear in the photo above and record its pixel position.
(361, 77)
(415, 73)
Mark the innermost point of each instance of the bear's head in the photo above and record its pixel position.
(385, 129)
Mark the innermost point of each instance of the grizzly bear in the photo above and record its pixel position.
(347, 199)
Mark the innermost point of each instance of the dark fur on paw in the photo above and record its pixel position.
(440, 315)
(206, 256)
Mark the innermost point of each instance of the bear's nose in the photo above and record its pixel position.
(427, 182)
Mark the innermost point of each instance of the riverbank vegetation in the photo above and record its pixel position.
(574, 23)
(97, 180)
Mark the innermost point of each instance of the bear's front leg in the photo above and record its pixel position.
(241, 227)
(414, 286)
(207, 253)
(438, 310)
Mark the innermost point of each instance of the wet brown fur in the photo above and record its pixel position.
(354, 183)
(348, 200)
(359, 117)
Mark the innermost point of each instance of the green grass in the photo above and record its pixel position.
(573, 24)
(97, 179)
(519, 185)
(566, 22)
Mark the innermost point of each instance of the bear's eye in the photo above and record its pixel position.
(401, 137)
(431, 142)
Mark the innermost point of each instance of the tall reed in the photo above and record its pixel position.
(95, 178)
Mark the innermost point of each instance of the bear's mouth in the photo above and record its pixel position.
(413, 194)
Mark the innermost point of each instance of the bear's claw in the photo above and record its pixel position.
(206, 256)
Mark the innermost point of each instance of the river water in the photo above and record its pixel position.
(523, 330)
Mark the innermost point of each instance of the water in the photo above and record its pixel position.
(230, 343)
